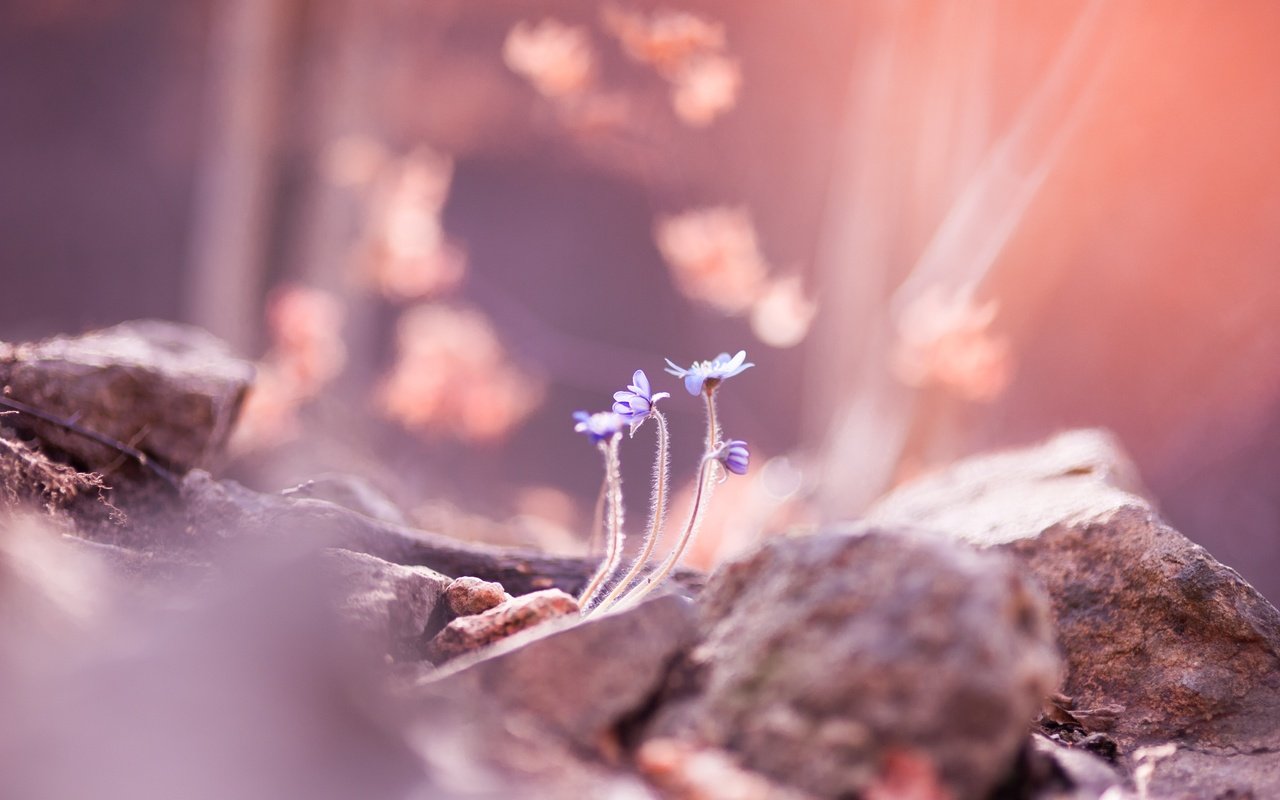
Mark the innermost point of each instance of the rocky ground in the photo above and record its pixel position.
(1020, 625)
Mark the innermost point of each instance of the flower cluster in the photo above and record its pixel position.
(715, 258)
(632, 407)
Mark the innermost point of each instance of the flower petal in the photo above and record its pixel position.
(641, 382)
(693, 383)
(622, 396)
(675, 369)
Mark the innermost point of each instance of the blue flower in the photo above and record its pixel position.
(709, 372)
(635, 404)
(598, 427)
(734, 455)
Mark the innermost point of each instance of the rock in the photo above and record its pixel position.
(572, 679)
(825, 654)
(353, 492)
(1190, 774)
(468, 595)
(686, 771)
(52, 596)
(217, 510)
(170, 390)
(141, 570)
(1162, 642)
(466, 634)
(388, 604)
(473, 753)
(1068, 773)
(239, 689)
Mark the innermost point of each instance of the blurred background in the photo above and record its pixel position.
(441, 227)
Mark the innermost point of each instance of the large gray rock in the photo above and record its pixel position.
(824, 655)
(1162, 642)
(1068, 773)
(688, 771)
(218, 510)
(171, 391)
(573, 680)
(388, 605)
(1195, 774)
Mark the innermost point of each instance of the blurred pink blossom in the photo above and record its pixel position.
(714, 256)
(705, 88)
(685, 49)
(944, 339)
(452, 376)
(666, 40)
(782, 314)
(306, 353)
(555, 57)
(305, 326)
(405, 250)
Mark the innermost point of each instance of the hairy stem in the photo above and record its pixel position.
(613, 550)
(700, 496)
(657, 513)
(597, 515)
(713, 425)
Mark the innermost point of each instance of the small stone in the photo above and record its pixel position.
(468, 595)
(824, 655)
(465, 634)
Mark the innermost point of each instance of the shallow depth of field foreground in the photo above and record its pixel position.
(638, 400)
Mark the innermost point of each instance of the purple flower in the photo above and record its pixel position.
(598, 427)
(635, 404)
(714, 371)
(734, 455)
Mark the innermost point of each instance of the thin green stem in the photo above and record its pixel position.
(657, 513)
(613, 551)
